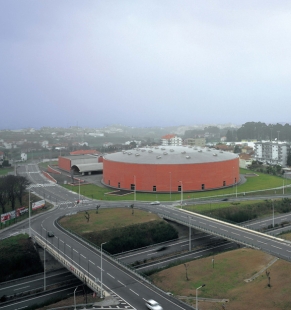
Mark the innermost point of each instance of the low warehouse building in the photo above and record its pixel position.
(84, 164)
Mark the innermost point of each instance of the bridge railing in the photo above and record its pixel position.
(229, 237)
(76, 270)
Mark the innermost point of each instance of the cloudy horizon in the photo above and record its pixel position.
(144, 63)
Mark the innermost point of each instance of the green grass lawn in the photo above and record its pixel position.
(4, 171)
(106, 219)
(45, 164)
(221, 205)
(257, 185)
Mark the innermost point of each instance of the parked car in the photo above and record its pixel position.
(155, 203)
(153, 305)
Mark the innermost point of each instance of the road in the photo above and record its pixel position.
(35, 282)
(119, 281)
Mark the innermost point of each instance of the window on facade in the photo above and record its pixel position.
(202, 186)
(154, 188)
(118, 184)
(132, 187)
(179, 188)
(224, 183)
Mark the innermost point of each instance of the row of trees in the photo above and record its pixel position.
(238, 214)
(260, 131)
(128, 238)
(12, 189)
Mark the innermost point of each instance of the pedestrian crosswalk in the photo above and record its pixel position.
(42, 185)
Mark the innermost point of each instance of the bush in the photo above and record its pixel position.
(134, 236)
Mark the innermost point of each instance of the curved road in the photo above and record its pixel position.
(132, 290)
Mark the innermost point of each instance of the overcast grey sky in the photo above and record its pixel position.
(144, 63)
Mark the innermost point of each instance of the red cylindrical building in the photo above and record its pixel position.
(170, 169)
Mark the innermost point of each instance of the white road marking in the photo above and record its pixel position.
(134, 292)
(121, 283)
(21, 288)
(110, 275)
(274, 246)
(248, 238)
(212, 226)
(261, 242)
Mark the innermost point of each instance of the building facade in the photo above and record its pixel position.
(195, 142)
(173, 140)
(274, 153)
(170, 169)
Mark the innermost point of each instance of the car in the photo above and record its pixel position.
(50, 234)
(155, 203)
(153, 305)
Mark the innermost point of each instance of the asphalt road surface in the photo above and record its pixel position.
(117, 280)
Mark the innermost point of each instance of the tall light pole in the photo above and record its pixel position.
(170, 186)
(189, 234)
(273, 214)
(134, 178)
(79, 189)
(197, 295)
(29, 229)
(75, 298)
(181, 194)
(101, 270)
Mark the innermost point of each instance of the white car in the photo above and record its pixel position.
(153, 305)
(155, 203)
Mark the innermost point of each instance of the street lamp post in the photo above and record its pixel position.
(197, 295)
(273, 214)
(134, 187)
(170, 186)
(75, 298)
(189, 235)
(79, 189)
(29, 229)
(181, 194)
(101, 270)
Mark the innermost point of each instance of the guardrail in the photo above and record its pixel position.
(229, 237)
(68, 264)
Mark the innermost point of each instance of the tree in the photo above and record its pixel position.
(3, 195)
(237, 149)
(87, 216)
(186, 269)
(269, 278)
(132, 208)
(11, 189)
(289, 158)
(21, 184)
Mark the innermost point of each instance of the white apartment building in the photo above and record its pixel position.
(171, 140)
(274, 153)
